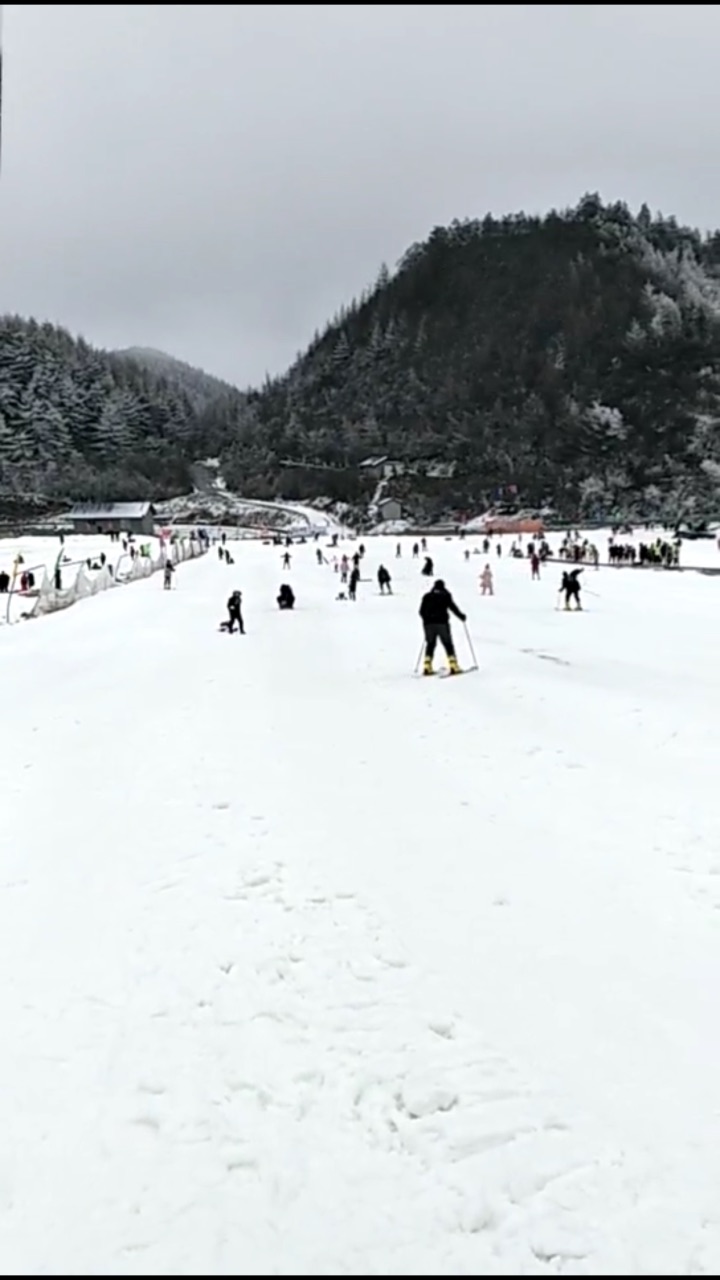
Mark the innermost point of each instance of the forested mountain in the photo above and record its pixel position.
(572, 358)
(79, 423)
(202, 389)
(575, 357)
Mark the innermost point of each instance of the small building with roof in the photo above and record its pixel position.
(376, 468)
(112, 517)
(388, 509)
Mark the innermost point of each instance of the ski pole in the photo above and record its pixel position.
(470, 644)
(419, 657)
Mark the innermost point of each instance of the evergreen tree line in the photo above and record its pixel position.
(574, 357)
(81, 424)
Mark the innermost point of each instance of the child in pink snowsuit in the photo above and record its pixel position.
(486, 582)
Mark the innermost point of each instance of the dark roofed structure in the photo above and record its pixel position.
(112, 517)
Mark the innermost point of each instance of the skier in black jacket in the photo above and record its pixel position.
(570, 587)
(435, 609)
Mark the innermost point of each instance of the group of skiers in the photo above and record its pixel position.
(436, 606)
(285, 600)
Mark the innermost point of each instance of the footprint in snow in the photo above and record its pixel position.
(153, 1087)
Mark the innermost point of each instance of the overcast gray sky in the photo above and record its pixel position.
(217, 180)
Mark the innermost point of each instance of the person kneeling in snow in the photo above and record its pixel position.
(286, 597)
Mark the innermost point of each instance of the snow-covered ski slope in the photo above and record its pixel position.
(43, 554)
(310, 967)
(217, 506)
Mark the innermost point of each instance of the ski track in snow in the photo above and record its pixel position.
(310, 968)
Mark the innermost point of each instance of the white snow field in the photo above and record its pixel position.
(313, 968)
(41, 554)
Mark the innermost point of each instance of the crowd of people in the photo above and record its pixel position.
(574, 553)
(437, 604)
(661, 552)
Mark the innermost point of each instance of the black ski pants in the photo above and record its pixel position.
(236, 617)
(435, 631)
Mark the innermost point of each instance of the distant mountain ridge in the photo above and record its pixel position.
(201, 387)
(150, 356)
(78, 423)
(570, 361)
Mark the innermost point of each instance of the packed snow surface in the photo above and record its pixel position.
(43, 554)
(313, 968)
(219, 506)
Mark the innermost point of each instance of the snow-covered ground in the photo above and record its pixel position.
(41, 554)
(389, 527)
(318, 521)
(218, 507)
(45, 551)
(310, 967)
